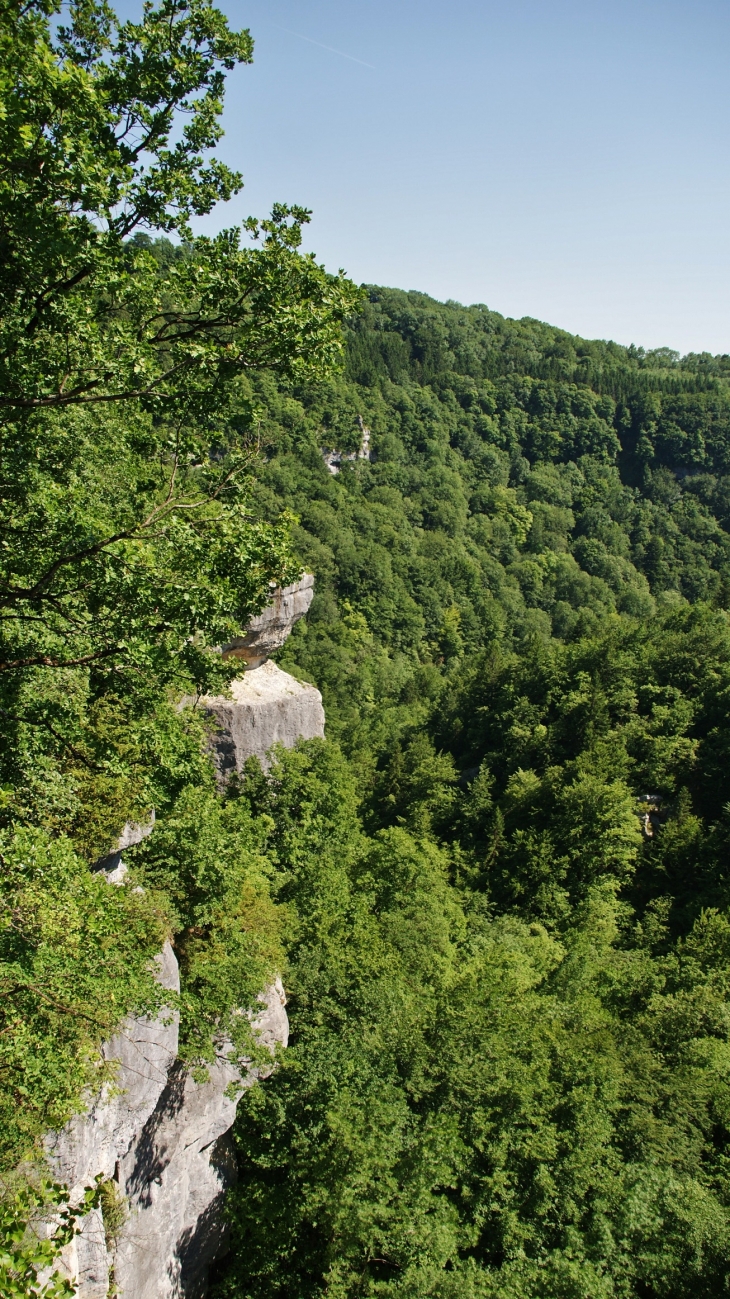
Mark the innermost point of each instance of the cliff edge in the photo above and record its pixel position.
(157, 1138)
(265, 706)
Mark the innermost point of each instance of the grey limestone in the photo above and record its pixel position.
(334, 459)
(266, 707)
(92, 1143)
(175, 1174)
(267, 632)
(161, 1137)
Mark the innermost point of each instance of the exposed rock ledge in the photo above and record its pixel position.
(267, 632)
(161, 1137)
(267, 706)
(157, 1134)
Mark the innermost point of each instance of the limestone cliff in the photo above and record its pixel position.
(334, 459)
(160, 1138)
(265, 706)
(176, 1173)
(156, 1136)
(268, 631)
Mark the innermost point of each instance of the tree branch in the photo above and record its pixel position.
(45, 661)
(167, 506)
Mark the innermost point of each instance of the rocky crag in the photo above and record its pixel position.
(158, 1138)
(266, 706)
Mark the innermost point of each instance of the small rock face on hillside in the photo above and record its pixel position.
(334, 459)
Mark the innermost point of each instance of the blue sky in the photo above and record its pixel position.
(563, 160)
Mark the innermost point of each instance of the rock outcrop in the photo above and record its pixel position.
(159, 1138)
(267, 632)
(156, 1136)
(334, 459)
(133, 832)
(175, 1174)
(266, 706)
(93, 1144)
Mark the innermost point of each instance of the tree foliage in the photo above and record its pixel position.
(31, 1244)
(129, 550)
(508, 965)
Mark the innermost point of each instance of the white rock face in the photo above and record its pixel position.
(267, 707)
(93, 1143)
(158, 1135)
(133, 832)
(176, 1173)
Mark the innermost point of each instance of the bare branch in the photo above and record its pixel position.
(45, 661)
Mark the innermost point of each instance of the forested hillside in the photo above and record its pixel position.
(510, 964)
(498, 892)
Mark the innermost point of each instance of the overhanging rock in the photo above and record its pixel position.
(267, 632)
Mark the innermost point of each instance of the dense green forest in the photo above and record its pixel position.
(498, 892)
(508, 976)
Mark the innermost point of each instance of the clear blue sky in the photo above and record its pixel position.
(563, 159)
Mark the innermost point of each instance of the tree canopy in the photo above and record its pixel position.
(508, 973)
(129, 548)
